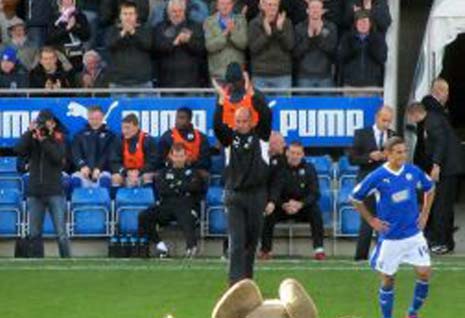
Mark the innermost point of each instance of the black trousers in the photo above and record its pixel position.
(439, 230)
(310, 214)
(365, 233)
(245, 219)
(180, 211)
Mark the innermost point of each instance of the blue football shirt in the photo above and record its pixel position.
(396, 198)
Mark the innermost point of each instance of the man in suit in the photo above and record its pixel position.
(367, 152)
(444, 165)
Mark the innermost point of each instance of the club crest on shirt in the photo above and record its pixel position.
(400, 196)
(386, 180)
(409, 177)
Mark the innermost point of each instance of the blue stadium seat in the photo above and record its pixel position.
(9, 177)
(90, 212)
(215, 196)
(345, 168)
(216, 171)
(217, 221)
(349, 221)
(10, 213)
(129, 202)
(65, 180)
(8, 165)
(326, 201)
(322, 164)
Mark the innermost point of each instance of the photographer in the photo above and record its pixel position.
(49, 73)
(68, 31)
(43, 146)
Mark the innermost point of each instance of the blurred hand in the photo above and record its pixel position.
(71, 23)
(367, 4)
(422, 220)
(378, 225)
(267, 27)
(435, 172)
(244, 10)
(133, 177)
(377, 155)
(269, 208)
(96, 174)
(280, 20)
(85, 171)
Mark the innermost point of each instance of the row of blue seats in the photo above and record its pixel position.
(90, 212)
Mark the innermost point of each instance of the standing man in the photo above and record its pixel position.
(43, 146)
(444, 164)
(367, 153)
(246, 178)
(399, 223)
(294, 195)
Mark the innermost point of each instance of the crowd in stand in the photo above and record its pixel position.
(184, 43)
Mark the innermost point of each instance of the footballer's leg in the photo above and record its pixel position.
(421, 290)
(386, 295)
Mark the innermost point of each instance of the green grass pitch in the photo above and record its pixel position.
(109, 288)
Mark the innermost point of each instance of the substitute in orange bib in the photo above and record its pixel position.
(235, 92)
(133, 158)
(195, 142)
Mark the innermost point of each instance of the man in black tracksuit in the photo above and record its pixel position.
(180, 188)
(246, 182)
(295, 196)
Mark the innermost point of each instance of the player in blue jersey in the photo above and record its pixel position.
(399, 223)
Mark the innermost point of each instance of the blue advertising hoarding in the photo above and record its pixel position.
(315, 121)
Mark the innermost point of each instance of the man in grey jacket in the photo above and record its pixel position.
(315, 49)
(271, 39)
(225, 38)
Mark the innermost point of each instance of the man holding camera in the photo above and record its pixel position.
(44, 147)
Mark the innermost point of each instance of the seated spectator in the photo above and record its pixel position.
(196, 11)
(110, 11)
(12, 74)
(378, 10)
(94, 73)
(91, 149)
(316, 45)
(7, 14)
(129, 45)
(19, 40)
(294, 196)
(49, 73)
(363, 53)
(68, 30)
(195, 143)
(225, 38)
(271, 40)
(180, 49)
(132, 160)
(37, 15)
(180, 189)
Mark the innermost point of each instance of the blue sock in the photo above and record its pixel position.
(419, 296)
(386, 301)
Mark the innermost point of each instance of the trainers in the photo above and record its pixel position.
(319, 254)
(158, 253)
(191, 252)
(265, 256)
(439, 249)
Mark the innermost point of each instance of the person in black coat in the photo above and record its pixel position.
(49, 73)
(67, 32)
(362, 54)
(180, 189)
(445, 164)
(246, 178)
(179, 49)
(295, 196)
(91, 149)
(43, 147)
(367, 153)
(378, 10)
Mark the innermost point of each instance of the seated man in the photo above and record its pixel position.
(132, 162)
(179, 187)
(195, 142)
(91, 150)
(295, 196)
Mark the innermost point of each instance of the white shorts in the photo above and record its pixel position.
(389, 254)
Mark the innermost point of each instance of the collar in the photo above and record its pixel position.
(396, 173)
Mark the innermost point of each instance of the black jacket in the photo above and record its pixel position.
(179, 66)
(442, 146)
(92, 148)
(364, 144)
(37, 12)
(46, 161)
(315, 56)
(179, 184)
(297, 183)
(38, 77)
(130, 58)
(166, 141)
(247, 166)
(149, 147)
(18, 78)
(363, 60)
(109, 11)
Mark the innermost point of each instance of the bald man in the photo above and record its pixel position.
(246, 183)
(367, 153)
